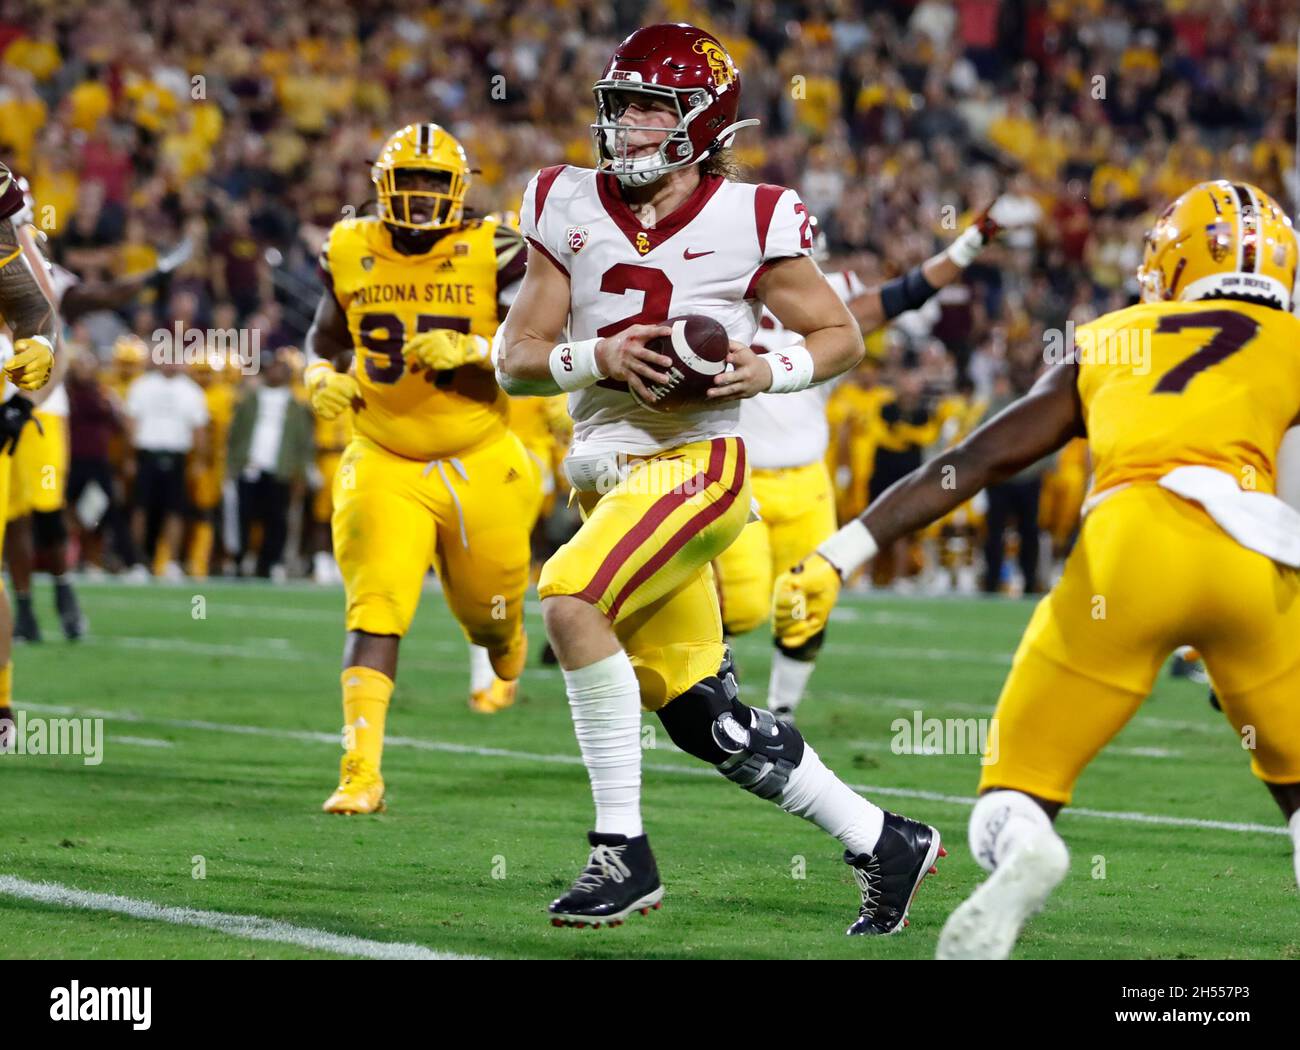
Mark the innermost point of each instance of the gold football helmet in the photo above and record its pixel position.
(421, 147)
(130, 354)
(1220, 239)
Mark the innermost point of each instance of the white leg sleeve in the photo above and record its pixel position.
(605, 701)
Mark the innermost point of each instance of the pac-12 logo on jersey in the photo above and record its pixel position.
(577, 238)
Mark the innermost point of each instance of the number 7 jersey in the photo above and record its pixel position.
(389, 297)
(706, 257)
(1213, 383)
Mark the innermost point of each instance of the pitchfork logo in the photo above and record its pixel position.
(577, 238)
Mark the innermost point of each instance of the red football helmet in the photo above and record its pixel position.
(689, 68)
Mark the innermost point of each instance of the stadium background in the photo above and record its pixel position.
(247, 126)
(218, 701)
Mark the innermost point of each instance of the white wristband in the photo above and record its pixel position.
(792, 369)
(573, 365)
(966, 247)
(850, 548)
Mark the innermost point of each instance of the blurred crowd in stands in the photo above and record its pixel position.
(247, 125)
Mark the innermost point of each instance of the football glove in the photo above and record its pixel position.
(14, 415)
(982, 232)
(803, 600)
(441, 349)
(332, 393)
(29, 368)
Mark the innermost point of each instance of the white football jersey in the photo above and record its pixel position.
(706, 257)
(790, 430)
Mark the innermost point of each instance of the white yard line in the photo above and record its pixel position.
(282, 649)
(249, 927)
(922, 750)
(417, 743)
(141, 741)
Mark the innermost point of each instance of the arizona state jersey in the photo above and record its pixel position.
(1212, 383)
(388, 298)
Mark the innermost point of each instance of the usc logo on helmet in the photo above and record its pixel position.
(720, 65)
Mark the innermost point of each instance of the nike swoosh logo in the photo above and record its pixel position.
(688, 254)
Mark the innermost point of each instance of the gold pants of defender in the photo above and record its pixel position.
(1150, 572)
(468, 516)
(796, 509)
(39, 467)
(643, 558)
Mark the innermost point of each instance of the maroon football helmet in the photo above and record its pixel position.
(685, 66)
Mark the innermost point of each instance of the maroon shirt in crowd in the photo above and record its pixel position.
(92, 421)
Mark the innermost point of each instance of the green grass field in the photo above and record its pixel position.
(221, 742)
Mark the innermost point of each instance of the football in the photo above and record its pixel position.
(698, 348)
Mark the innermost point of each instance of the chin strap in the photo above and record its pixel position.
(726, 134)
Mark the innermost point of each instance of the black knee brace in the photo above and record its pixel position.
(49, 528)
(748, 746)
(807, 652)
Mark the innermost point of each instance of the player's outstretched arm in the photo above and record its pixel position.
(85, 297)
(802, 300)
(1038, 424)
(911, 291)
(329, 347)
(531, 357)
(29, 314)
(32, 250)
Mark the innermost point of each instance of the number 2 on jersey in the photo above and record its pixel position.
(1232, 332)
(656, 289)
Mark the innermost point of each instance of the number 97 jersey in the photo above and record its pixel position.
(389, 297)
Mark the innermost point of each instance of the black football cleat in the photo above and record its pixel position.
(890, 877)
(7, 730)
(26, 629)
(620, 878)
(69, 609)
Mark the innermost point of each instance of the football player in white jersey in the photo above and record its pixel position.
(786, 438)
(630, 603)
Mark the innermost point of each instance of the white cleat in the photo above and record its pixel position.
(987, 923)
